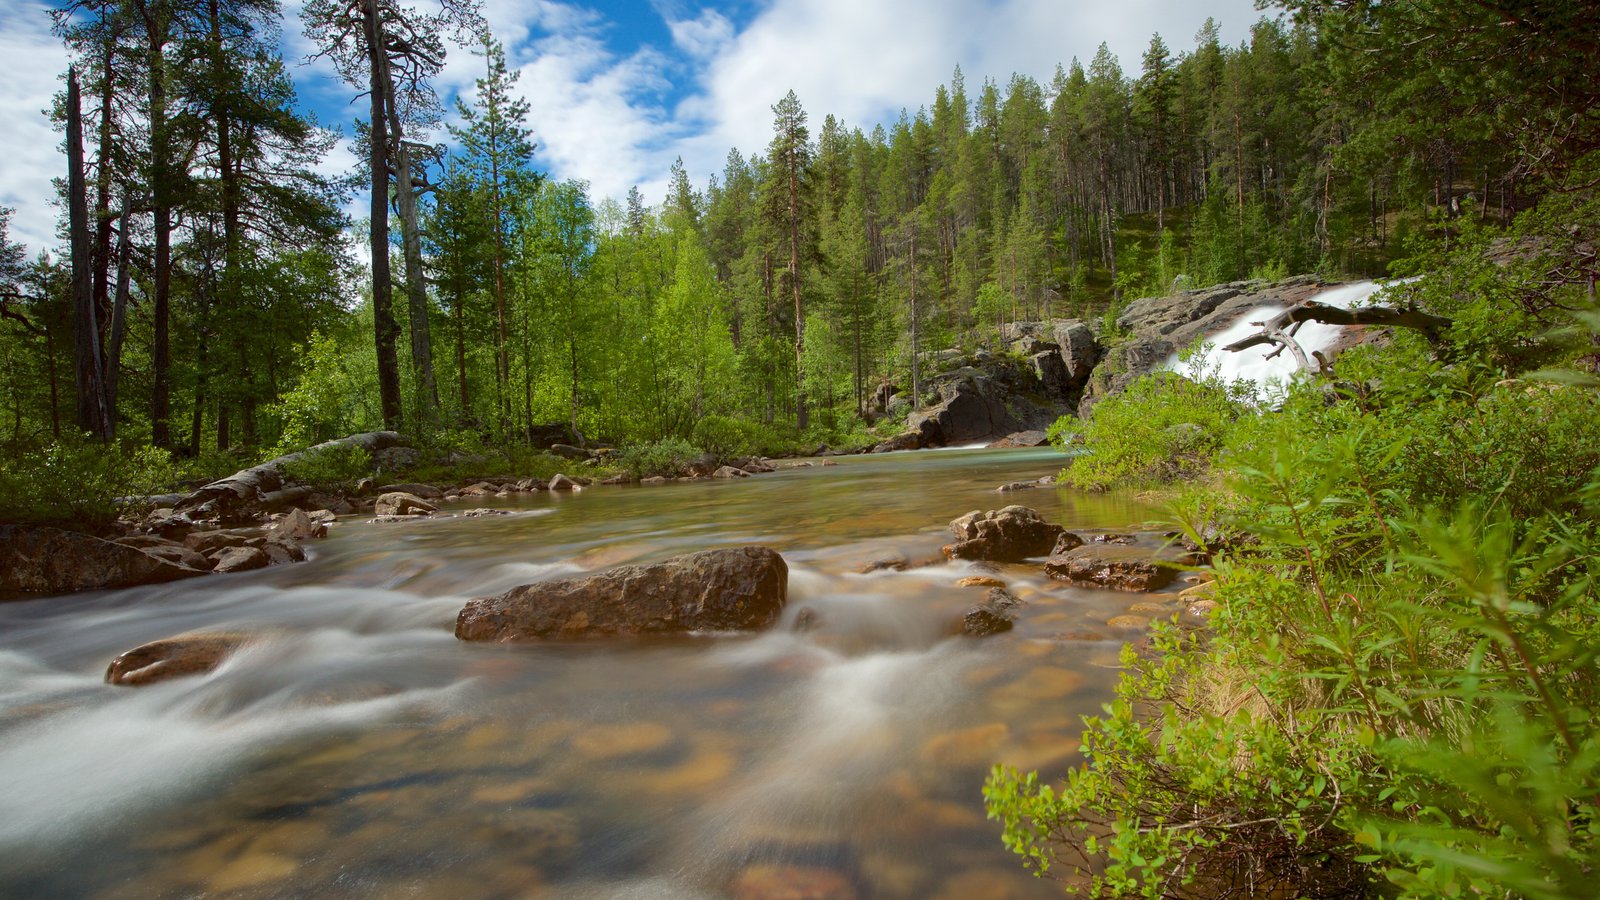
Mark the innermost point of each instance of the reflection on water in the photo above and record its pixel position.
(360, 750)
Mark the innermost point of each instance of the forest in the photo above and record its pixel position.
(1385, 683)
(210, 301)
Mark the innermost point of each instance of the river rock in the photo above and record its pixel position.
(297, 526)
(1011, 534)
(195, 653)
(1022, 439)
(730, 472)
(653, 479)
(239, 559)
(905, 440)
(980, 581)
(400, 503)
(36, 559)
(169, 550)
(1066, 543)
(563, 483)
(1114, 566)
(995, 614)
(425, 491)
(279, 552)
(209, 542)
(740, 588)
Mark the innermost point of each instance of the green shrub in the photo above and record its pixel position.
(667, 458)
(1163, 428)
(725, 438)
(337, 468)
(82, 485)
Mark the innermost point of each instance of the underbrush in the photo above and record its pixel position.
(1398, 693)
(82, 485)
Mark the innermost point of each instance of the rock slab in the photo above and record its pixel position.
(741, 588)
(44, 560)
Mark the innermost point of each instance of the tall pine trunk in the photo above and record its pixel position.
(386, 331)
(92, 415)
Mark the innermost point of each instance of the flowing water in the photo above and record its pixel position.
(1264, 365)
(362, 751)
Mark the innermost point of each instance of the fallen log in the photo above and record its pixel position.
(262, 486)
(1280, 328)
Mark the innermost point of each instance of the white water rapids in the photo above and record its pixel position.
(1254, 365)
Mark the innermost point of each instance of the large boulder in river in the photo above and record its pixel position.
(399, 503)
(36, 559)
(740, 588)
(1011, 534)
(195, 653)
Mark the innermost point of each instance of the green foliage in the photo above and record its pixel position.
(331, 399)
(338, 467)
(1163, 428)
(82, 486)
(668, 458)
(725, 437)
(1400, 683)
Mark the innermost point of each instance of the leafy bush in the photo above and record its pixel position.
(668, 458)
(724, 437)
(338, 467)
(82, 485)
(1163, 428)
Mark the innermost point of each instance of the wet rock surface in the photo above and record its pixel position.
(1011, 534)
(400, 503)
(195, 653)
(740, 588)
(997, 613)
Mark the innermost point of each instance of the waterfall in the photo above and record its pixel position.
(1252, 365)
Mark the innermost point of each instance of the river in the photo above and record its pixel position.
(364, 752)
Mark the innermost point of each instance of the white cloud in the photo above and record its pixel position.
(598, 118)
(29, 146)
(702, 36)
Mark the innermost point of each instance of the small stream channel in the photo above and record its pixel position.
(365, 752)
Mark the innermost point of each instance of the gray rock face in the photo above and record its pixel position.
(1163, 325)
(741, 588)
(51, 561)
(1052, 374)
(1011, 534)
(970, 408)
(391, 458)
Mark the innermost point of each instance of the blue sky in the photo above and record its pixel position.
(620, 89)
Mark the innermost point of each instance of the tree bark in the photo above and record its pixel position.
(88, 372)
(385, 329)
(245, 491)
(1277, 330)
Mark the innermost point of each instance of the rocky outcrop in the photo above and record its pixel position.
(1011, 534)
(1161, 326)
(1118, 566)
(195, 653)
(245, 494)
(741, 588)
(40, 560)
(971, 407)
